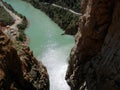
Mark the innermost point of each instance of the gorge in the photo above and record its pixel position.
(47, 43)
(94, 61)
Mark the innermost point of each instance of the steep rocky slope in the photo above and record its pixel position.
(66, 20)
(95, 60)
(19, 70)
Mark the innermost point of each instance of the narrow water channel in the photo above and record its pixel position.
(47, 43)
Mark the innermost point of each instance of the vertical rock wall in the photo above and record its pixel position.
(94, 61)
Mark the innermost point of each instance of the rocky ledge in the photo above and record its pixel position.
(19, 70)
(95, 60)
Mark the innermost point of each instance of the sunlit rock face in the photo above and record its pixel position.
(94, 61)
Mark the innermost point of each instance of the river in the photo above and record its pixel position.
(47, 43)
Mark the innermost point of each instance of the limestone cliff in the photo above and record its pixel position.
(95, 60)
(19, 70)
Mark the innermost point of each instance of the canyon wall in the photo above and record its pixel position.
(19, 70)
(95, 59)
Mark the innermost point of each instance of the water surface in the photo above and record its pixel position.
(47, 43)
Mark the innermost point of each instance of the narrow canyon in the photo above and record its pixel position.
(39, 54)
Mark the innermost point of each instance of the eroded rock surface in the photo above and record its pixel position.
(19, 70)
(94, 61)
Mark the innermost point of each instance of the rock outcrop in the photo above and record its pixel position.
(19, 70)
(95, 60)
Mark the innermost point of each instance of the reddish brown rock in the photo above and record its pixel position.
(19, 70)
(94, 61)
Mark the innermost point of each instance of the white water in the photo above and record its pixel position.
(47, 43)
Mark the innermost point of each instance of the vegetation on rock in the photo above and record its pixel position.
(5, 18)
(66, 20)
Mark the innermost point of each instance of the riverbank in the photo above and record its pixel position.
(16, 30)
(21, 27)
(61, 13)
(64, 8)
(21, 68)
(12, 29)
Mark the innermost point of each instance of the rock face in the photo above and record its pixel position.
(19, 70)
(95, 60)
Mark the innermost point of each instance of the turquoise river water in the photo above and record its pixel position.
(47, 43)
